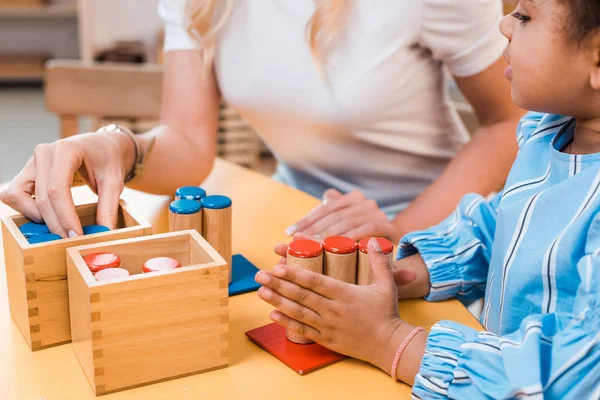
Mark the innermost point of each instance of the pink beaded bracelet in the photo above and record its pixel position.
(401, 350)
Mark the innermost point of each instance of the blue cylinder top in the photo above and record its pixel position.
(190, 193)
(91, 229)
(185, 207)
(216, 202)
(48, 237)
(32, 229)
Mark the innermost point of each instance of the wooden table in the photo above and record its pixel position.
(262, 211)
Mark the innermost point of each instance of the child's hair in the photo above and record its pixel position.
(585, 18)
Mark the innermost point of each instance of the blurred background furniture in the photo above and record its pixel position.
(74, 89)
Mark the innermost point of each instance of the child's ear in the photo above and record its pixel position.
(594, 47)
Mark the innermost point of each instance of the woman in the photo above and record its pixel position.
(358, 115)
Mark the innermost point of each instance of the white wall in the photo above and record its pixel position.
(105, 21)
(57, 36)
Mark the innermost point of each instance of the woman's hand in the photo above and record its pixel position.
(102, 160)
(349, 214)
(359, 321)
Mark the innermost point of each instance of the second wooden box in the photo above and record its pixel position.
(150, 327)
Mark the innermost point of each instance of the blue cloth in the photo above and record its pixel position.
(533, 253)
(243, 272)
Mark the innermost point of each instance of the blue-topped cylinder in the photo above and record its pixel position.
(47, 237)
(216, 202)
(190, 193)
(185, 214)
(217, 225)
(92, 229)
(31, 229)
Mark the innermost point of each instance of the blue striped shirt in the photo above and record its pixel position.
(533, 252)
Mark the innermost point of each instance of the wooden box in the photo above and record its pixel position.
(150, 327)
(36, 274)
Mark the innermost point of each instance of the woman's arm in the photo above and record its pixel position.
(185, 146)
(483, 164)
(183, 154)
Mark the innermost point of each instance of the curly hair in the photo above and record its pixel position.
(585, 17)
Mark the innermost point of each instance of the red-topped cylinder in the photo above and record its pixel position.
(308, 255)
(339, 259)
(103, 260)
(364, 274)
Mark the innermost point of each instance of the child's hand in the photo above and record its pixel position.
(355, 320)
(350, 214)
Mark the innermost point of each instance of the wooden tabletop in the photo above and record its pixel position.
(262, 210)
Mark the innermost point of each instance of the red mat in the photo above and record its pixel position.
(302, 358)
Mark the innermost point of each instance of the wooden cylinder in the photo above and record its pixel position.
(339, 260)
(364, 274)
(308, 255)
(185, 214)
(217, 226)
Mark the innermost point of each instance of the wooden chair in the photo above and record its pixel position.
(131, 95)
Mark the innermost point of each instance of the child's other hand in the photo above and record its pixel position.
(358, 321)
(350, 214)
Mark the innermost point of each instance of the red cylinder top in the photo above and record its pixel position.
(103, 260)
(305, 249)
(339, 245)
(107, 274)
(386, 246)
(160, 264)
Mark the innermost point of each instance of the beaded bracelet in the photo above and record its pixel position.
(401, 350)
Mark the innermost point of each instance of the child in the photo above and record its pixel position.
(533, 251)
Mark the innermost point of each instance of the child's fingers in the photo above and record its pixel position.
(318, 283)
(295, 326)
(292, 291)
(404, 276)
(281, 249)
(288, 307)
(380, 265)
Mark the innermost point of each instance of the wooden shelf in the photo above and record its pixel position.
(22, 68)
(48, 11)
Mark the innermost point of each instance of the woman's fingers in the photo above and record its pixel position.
(18, 194)
(370, 228)
(292, 291)
(43, 164)
(66, 161)
(324, 210)
(288, 307)
(109, 192)
(331, 194)
(338, 222)
(295, 326)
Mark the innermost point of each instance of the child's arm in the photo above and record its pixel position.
(553, 355)
(454, 255)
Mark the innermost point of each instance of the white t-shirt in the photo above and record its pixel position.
(382, 121)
